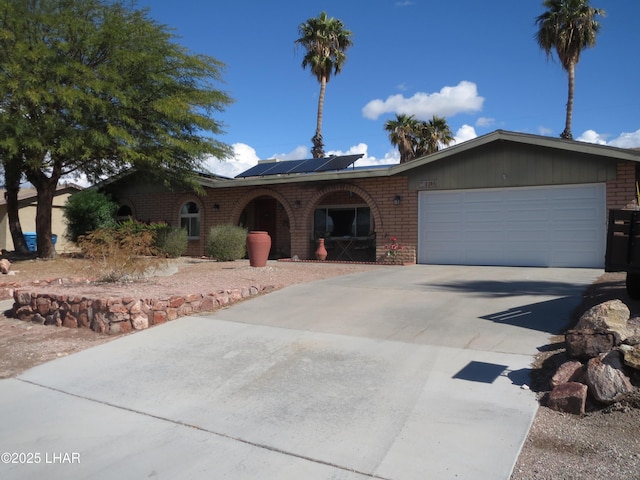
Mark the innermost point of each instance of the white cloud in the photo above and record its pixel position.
(485, 122)
(544, 131)
(244, 157)
(591, 136)
(391, 157)
(298, 153)
(624, 140)
(449, 101)
(627, 140)
(464, 133)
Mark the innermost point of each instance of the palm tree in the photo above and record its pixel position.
(326, 41)
(568, 27)
(416, 138)
(433, 135)
(402, 133)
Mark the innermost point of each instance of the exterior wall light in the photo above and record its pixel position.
(397, 199)
(216, 207)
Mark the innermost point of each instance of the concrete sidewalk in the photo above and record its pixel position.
(404, 373)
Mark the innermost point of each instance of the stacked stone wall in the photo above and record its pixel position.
(114, 315)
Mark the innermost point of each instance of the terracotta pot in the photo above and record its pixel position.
(258, 247)
(321, 252)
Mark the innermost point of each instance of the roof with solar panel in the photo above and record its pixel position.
(290, 167)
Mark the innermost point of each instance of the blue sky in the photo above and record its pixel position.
(475, 63)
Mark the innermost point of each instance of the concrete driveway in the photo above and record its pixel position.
(402, 373)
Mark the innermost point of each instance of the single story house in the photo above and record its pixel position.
(504, 198)
(27, 203)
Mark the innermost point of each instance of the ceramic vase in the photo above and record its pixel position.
(258, 247)
(321, 252)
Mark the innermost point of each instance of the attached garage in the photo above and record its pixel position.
(545, 226)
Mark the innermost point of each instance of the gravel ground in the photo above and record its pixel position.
(604, 444)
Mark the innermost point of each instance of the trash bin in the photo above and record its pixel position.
(32, 240)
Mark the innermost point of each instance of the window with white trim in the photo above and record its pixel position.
(190, 219)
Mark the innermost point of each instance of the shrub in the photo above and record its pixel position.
(87, 211)
(121, 252)
(226, 243)
(170, 241)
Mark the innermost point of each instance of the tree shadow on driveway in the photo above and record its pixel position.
(493, 288)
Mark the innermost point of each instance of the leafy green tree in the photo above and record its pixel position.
(94, 87)
(326, 41)
(415, 138)
(87, 211)
(568, 27)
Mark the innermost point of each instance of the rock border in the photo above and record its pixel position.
(121, 314)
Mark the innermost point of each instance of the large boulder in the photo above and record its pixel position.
(610, 316)
(570, 397)
(606, 379)
(589, 343)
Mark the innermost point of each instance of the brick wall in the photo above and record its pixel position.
(296, 205)
(621, 192)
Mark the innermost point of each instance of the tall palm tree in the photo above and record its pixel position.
(326, 40)
(568, 27)
(433, 135)
(402, 132)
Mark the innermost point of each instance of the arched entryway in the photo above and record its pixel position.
(345, 216)
(268, 211)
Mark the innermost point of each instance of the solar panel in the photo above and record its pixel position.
(284, 167)
(300, 166)
(257, 170)
(308, 166)
(338, 163)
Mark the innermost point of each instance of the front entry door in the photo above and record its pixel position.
(266, 217)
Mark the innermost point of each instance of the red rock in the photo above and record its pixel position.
(208, 304)
(570, 397)
(159, 316)
(567, 372)
(175, 302)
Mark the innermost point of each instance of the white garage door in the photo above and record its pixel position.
(559, 226)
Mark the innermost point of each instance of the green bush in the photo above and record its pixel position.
(87, 211)
(170, 241)
(226, 243)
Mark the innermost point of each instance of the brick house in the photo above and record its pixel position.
(501, 199)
